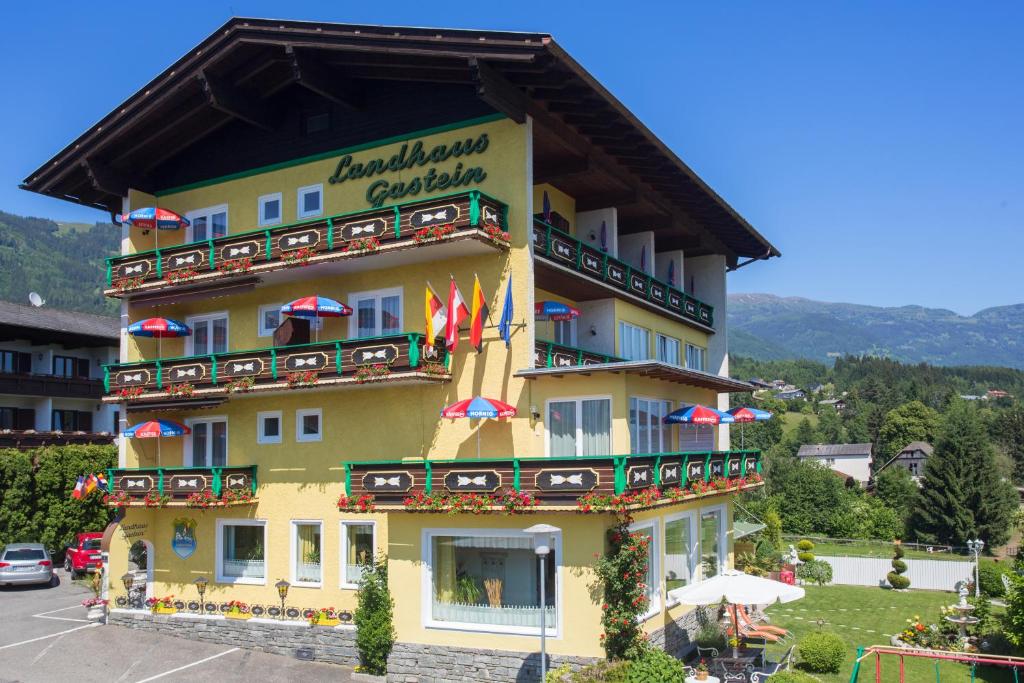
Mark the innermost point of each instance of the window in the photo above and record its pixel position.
(634, 342)
(308, 425)
(8, 361)
(270, 209)
(241, 551)
(579, 427)
(207, 445)
(712, 543)
(268, 427)
(311, 201)
(70, 420)
(680, 558)
(269, 320)
(307, 544)
(647, 432)
(208, 223)
(377, 313)
(652, 580)
(209, 334)
(695, 357)
(489, 580)
(667, 349)
(565, 332)
(7, 417)
(358, 540)
(66, 366)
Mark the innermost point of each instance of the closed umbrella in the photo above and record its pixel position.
(160, 328)
(697, 415)
(736, 588)
(743, 414)
(156, 429)
(316, 307)
(477, 408)
(153, 217)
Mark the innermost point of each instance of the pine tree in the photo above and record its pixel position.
(964, 492)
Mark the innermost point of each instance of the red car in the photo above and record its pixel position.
(84, 556)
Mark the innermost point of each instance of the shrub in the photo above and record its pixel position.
(896, 581)
(375, 632)
(815, 571)
(822, 652)
(793, 676)
(601, 672)
(621, 572)
(899, 567)
(655, 666)
(805, 557)
(990, 579)
(805, 545)
(710, 634)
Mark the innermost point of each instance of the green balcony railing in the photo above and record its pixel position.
(336, 235)
(562, 248)
(178, 483)
(549, 354)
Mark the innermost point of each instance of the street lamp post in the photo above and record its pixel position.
(543, 538)
(975, 546)
(201, 587)
(282, 587)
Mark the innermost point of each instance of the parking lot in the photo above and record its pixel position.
(46, 637)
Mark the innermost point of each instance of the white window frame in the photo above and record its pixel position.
(427, 584)
(343, 548)
(703, 356)
(378, 294)
(658, 336)
(262, 201)
(190, 348)
(262, 438)
(187, 443)
(573, 326)
(304, 412)
(300, 195)
(579, 420)
(654, 552)
(219, 553)
(262, 331)
(293, 555)
(622, 336)
(694, 550)
(667, 448)
(208, 212)
(723, 537)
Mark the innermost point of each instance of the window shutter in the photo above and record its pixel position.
(25, 418)
(84, 421)
(82, 369)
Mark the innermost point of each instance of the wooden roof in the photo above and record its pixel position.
(42, 325)
(646, 368)
(585, 141)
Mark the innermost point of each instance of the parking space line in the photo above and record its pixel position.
(52, 635)
(45, 650)
(42, 615)
(188, 666)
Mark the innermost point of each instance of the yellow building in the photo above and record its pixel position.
(362, 163)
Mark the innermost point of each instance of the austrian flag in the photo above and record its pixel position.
(457, 312)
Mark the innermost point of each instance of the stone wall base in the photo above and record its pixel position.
(677, 638)
(416, 663)
(333, 645)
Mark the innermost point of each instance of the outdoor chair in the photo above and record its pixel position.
(707, 652)
(748, 623)
(772, 668)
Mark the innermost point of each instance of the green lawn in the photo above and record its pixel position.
(869, 616)
(873, 549)
(791, 420)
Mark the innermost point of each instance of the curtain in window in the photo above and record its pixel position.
(219, 444)
(710, 550)
(390, 315)
(219, 221)
(366, 318)
(358, 551)
(562, 427)
(199, 441)
(220, 335)
(596, 427)
(678, 549)
(634, 342)
(307, 552)
(696, 438)
(443, 557)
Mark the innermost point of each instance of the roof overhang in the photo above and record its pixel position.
(234, 73)
(645, 368)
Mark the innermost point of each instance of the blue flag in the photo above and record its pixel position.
(505, 325)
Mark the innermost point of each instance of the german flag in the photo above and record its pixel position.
(479, 313)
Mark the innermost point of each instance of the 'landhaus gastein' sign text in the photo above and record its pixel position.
(410, 157)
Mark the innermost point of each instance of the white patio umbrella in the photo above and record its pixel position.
(737, 588)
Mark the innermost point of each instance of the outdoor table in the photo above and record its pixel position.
(745, 662)
(709, 679)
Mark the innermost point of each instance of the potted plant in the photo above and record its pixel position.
(237, 610)
(701, 670)
(162, 605)
(325, 616)
(96, 605)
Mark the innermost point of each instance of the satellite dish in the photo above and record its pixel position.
(35, 299)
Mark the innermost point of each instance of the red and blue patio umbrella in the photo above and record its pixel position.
(743, 414)
(160, 328)
(554, 310)
(156, 429)
(151, 217)
(478, 408)
(698, 415)
(316, 307)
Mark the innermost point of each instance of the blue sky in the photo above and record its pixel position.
(879, 145)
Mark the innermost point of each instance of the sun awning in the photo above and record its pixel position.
(645, 368)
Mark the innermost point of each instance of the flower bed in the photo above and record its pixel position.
(239, 265)
(432, 234)
(183, 390)
(497, 234)
(129, 393)
(240, 385)
(372, 373)
(181, 275)
(297, 257)
(508, 501)
(363, 503)
(117, 499)
(363, 244)
(306, 378)
(121, 285)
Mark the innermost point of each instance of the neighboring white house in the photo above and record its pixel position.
(850, 459)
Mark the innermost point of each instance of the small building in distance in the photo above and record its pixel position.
(759, 383)
(993, 394)
(850, 459)
(839, 404)
(912, 458)
(791, 394)
(51, 376)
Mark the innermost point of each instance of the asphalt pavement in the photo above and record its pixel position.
(46, 637)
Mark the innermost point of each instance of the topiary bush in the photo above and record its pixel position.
(375, 631)
(655, 666)
(822, 652)
(793, 676)
(815, 571)
(805, 557)
(805, 545)
(899, 567)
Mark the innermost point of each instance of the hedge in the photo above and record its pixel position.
(35, 494)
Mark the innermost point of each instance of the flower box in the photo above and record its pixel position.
(237, 614)
(160, 608)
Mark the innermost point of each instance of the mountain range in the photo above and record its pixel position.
(770, 327)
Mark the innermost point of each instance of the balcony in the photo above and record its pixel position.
(172, 486)
(548, 354)
(29, 438)
(52, 386)
(555, 482)
(390, 359)
(466, 218)
(573, 268)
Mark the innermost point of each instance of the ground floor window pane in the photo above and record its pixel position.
(710, 546)
(490, 580)
(358, 550)
(678, 564)
(307, 553)
(243, 551)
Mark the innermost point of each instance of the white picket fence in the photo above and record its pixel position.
(870, 571)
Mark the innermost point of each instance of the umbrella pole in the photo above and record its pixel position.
(158, 439)
(478, 439)
(735, 633)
